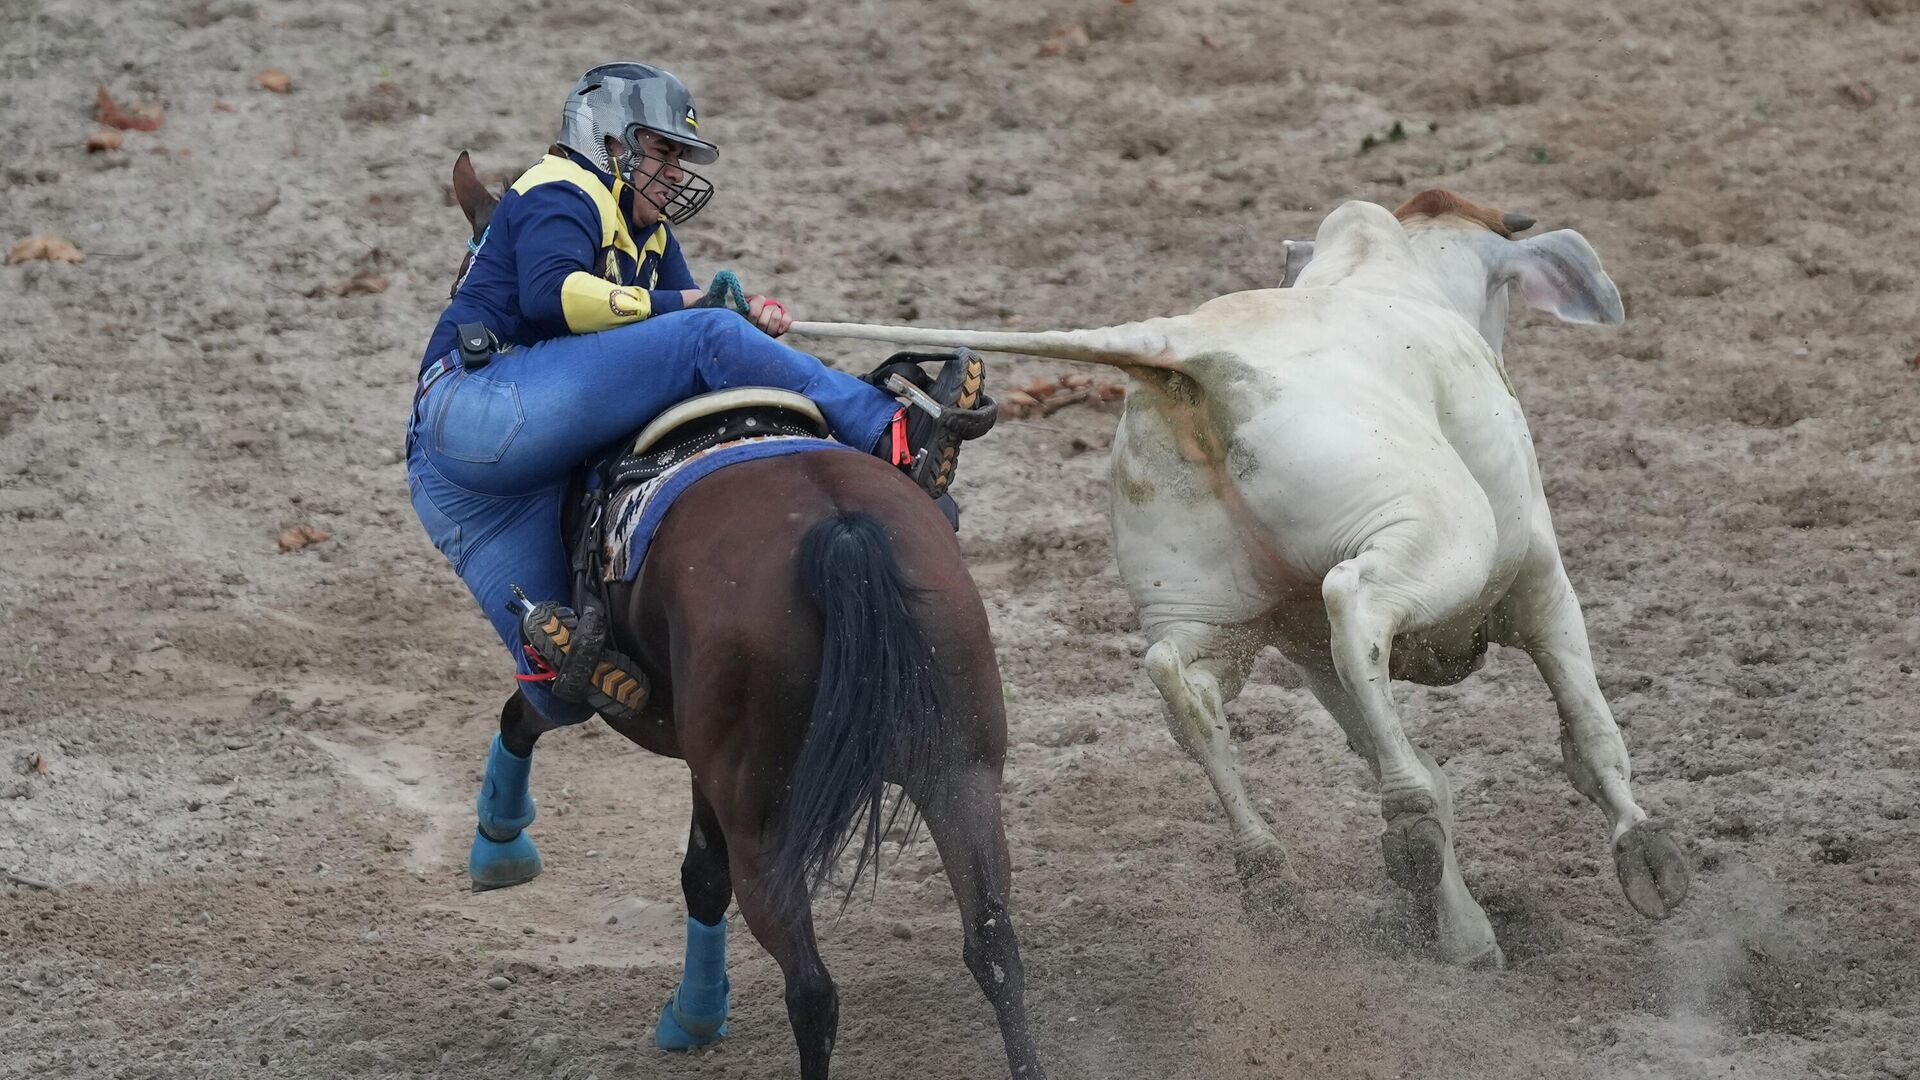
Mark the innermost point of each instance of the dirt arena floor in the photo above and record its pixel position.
(248, 774)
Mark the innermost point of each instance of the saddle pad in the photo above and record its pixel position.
(634, 513)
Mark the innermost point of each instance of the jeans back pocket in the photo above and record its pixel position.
(476, 418)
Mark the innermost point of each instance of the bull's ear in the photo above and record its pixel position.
(1299, 254)
(1559, 273)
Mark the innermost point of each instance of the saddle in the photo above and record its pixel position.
(689, 428)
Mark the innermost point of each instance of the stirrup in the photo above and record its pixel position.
(943, 411)
(610, 682)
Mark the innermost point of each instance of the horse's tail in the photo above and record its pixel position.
(878, 703)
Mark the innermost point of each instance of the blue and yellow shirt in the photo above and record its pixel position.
(560, 257)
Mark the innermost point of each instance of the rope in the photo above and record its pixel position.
(725, 292)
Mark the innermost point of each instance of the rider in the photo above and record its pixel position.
(587, 329)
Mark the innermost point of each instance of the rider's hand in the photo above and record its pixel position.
(769, 315)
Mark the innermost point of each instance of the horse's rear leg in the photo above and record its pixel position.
(697, 1013)
(502, 853)
(963, 814)
(813, 1003)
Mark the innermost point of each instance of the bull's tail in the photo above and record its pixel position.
(1131, 345)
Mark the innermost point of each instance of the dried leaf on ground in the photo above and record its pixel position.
(364, 283)
(384, 102)
(275, 80)
(222, 106)
(302, 535)
(1065, 39)
(361, 283)
(144, 117)
(1061, 400)
(1044, 397)
(49, 248)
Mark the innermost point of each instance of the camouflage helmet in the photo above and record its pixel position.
(618, 98)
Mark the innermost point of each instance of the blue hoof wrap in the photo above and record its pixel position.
(671, 1032)
(697, 1013)
(493, 864)
(504, 805)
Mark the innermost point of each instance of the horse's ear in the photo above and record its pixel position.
(472, 195)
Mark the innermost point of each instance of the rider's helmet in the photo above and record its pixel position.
(623, 99)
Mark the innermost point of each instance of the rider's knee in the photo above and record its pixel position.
(715, 328)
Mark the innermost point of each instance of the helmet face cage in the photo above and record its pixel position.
(629, 100)
(642, 170)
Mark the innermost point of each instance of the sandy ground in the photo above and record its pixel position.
(254, 768)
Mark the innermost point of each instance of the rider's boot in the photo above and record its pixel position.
(502, 853)
(583, 668)
(942, 411)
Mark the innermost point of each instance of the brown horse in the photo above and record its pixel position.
(782, 616)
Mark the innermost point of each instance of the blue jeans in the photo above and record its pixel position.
(489, 452)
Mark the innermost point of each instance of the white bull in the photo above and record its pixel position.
(1340, 469)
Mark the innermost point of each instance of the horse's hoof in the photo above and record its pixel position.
(677, 1032)
(496, 864)
(1652, 871)
(1415, 845)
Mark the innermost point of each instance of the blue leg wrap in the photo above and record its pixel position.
(502, 853)
(505, 806)
(697, 1013)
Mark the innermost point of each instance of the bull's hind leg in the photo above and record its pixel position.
(1542, 615)
(1462, 932)
(1396, 585)
(696, 1015)
(1199, 668)
(963, 814)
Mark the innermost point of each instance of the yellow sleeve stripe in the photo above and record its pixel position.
(592, 303)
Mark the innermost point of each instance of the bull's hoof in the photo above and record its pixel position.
(496, 864)
(1652, 871)
(678, 1032)
(1415, 845)
(1494, 959)
(1267, 881)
